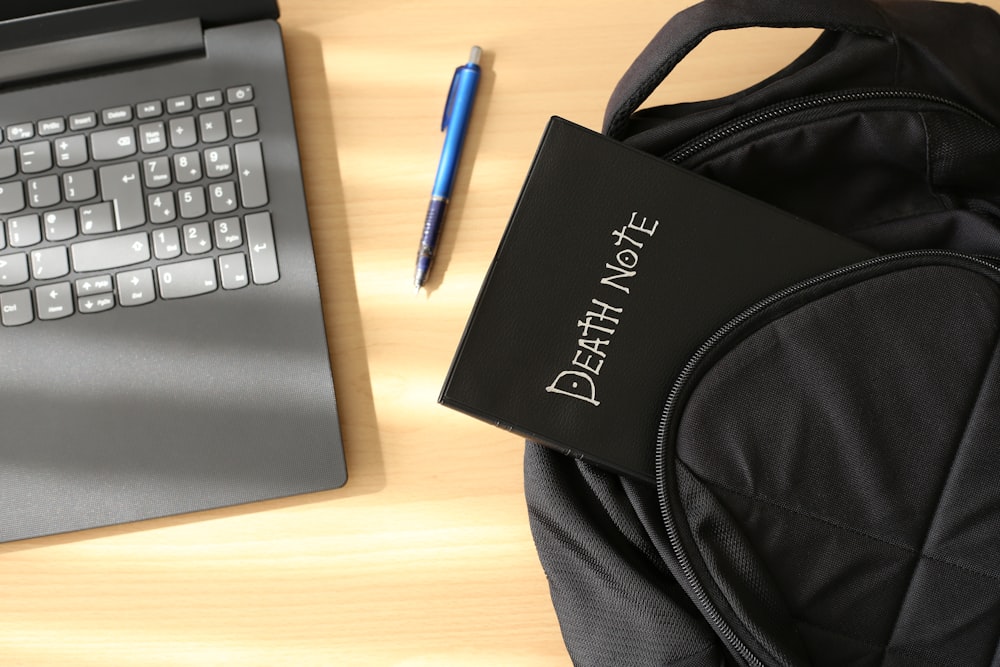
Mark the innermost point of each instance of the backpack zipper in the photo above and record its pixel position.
(708, 607)
(782, 109)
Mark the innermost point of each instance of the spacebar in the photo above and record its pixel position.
(110, 253)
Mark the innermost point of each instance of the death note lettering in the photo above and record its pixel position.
(599, 323)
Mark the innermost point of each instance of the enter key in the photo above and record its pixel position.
(260, 241)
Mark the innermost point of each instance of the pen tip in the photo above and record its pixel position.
(475, 55)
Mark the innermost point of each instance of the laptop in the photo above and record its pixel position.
(162, 340)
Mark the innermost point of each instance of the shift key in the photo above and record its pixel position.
(110, 253)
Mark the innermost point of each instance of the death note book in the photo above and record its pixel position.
(614, 267)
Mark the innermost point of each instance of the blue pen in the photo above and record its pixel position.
(457, 112)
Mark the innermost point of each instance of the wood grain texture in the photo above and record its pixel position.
(425, 557)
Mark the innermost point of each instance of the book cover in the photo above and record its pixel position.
(614, 267)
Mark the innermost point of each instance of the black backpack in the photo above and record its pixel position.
(828, 463)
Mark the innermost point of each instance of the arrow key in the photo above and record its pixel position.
(135, 287)
(95, 304)
(93, 285)
(54, 301)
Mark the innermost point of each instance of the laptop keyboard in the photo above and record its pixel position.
(164, 199)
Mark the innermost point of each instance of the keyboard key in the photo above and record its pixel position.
(238, 94)
(24, 230)
(13, 269)
(110, 253)
(8, 162)
(192, 202)
(116, 115)
(167, 243)
(209, 99)
(187, 167)
(101, 200)
(135, 287)
(51, 126)
(71, 151)
(49, 263)
(218, 162)
(20, 132)
(60, 225)
(228, 234)
(93, 285)
(243, 121)
(260, 241)
(113, 144)
(120, 184)
(35, 157)
(44, 192)
(213, 127)
(161, 207)
(11, 197)
(54, 301)
(250, 166)
(223, 197)
(95, 304)
(187, 278)
(15, 308)
(97, 218)
(82, 121)
(183, 132)
(152, 137)
(180, 104)
(79, 185)
(197, 238)
(233, 269)
(156, 172)
(150, 109)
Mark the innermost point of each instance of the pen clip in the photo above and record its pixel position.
(451, 98)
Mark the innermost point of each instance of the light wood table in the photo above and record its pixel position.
(425, 557)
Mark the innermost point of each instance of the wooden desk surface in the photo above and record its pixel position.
(425, 557)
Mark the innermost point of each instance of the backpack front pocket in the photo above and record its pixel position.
(827, 468)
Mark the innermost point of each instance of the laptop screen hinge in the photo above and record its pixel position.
(173, 39)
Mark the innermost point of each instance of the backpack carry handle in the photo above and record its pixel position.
(689, 27)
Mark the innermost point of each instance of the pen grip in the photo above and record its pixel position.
(432, 227)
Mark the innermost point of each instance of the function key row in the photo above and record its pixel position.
(209, 99)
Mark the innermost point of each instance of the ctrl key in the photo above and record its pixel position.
(15, 308)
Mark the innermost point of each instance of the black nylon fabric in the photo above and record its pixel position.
(606, 530)
(837, 476)
(849, 459)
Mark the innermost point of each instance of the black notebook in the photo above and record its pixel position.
(614, 267)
